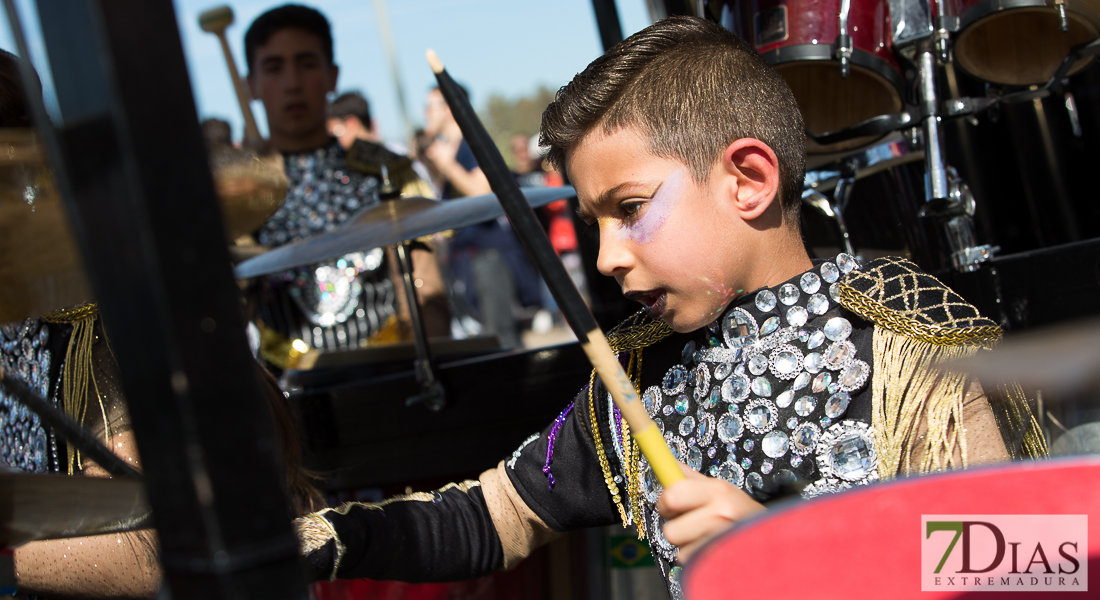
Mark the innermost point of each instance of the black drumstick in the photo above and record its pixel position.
(569, 300)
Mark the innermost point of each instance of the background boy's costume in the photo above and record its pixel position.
(816, 385)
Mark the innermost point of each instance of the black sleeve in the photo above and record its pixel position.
(444, 535)
(449, 534)
(578, 496)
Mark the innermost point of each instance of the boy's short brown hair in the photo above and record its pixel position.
(691, 88)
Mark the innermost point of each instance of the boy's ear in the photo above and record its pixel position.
(755, 168)
(334, 73)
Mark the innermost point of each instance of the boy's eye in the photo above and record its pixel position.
(630, 209)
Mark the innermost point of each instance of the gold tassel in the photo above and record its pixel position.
(907, 390)
(78, 375)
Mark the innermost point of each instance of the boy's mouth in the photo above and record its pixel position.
(652, 300)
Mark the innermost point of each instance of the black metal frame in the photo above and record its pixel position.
(132, 168)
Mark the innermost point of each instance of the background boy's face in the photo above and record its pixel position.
(669, 242)
(292, 77)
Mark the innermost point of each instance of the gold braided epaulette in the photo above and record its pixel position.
(73, 314)
(896, 295)
(864, 306)
(637, 331)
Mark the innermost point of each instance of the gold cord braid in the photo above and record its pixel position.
(632, 335)
(78, 375)
(863, 305)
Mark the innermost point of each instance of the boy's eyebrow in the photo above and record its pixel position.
(271, 60)
(610, 195)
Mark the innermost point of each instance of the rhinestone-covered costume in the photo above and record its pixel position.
(341, 303)
(814, 386)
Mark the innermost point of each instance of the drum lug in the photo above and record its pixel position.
(843, 44)
(1063, 18)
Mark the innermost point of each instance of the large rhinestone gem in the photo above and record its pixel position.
(788, 293)
(702, 381)
(784, 400)
(847, 263)
(801, 381)
(839, 355)
(854, 375)
(758, 364)
(765, 300)
(723, 370)
(651, 485)
(705, 432)
(676, 445)
(775, 444)
(730, 428)
(651, 399)
(817, 337)
(851, 457)
(713, 397)
(739, 328)
(736, 388)
(829, 272)
(675, 380)
(762, 387)
(695, 458)
(805, 405)
(797, 316)
(810, 282)
(804, 439)
(687, 426)
(683, 403)
(837, 329)
(760, 416)
(818, 304)
(786, 362)
(821, 382)
(837, 404)
(732, 472)
(813, 362)
(769, 326)
(834, 292)
(687, 355)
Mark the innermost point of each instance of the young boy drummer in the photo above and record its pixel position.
(766, 371)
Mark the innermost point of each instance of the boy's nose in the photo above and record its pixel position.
(615, 258)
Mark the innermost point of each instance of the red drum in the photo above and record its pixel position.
(797, 37)
(872, 543)
(1018, 42)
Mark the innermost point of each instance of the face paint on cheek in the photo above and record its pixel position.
(660, 207)
(719, 296)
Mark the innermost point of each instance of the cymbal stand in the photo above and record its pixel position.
(431, 393)
(834, 207)
(946, 196)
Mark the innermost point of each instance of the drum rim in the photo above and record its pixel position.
(824, 53)
(989, 8)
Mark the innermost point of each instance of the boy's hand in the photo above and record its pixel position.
(700, 507)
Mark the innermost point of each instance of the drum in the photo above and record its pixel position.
(1018, 42)
(797, 37)
(872, 542)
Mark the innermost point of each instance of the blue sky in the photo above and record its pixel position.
(492, 47)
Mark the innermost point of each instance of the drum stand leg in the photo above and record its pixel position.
(947, 196)
(431, 391)
(834, 208)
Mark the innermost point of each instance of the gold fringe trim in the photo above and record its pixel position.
(1010, 407)
(866, 307)
(632, 335)
(907, 390)
(314, 531)
(78, 375)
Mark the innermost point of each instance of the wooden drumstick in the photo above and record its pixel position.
(542, 253)
(215, 21)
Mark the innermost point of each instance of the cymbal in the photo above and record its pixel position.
(389, 223)
(39, 507)
(250, 187)
(40, 265)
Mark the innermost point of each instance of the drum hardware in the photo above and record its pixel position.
(431, 393)
(843, 40)
(1063, 18)
(832, 210)
(389, 223)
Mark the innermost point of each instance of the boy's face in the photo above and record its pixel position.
(292, 77)
(670, 243)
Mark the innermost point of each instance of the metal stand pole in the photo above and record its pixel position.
(431, 391)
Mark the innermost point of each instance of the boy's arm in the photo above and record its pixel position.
(469, 529)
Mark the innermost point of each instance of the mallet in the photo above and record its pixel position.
(215, 21)
(576, 312)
